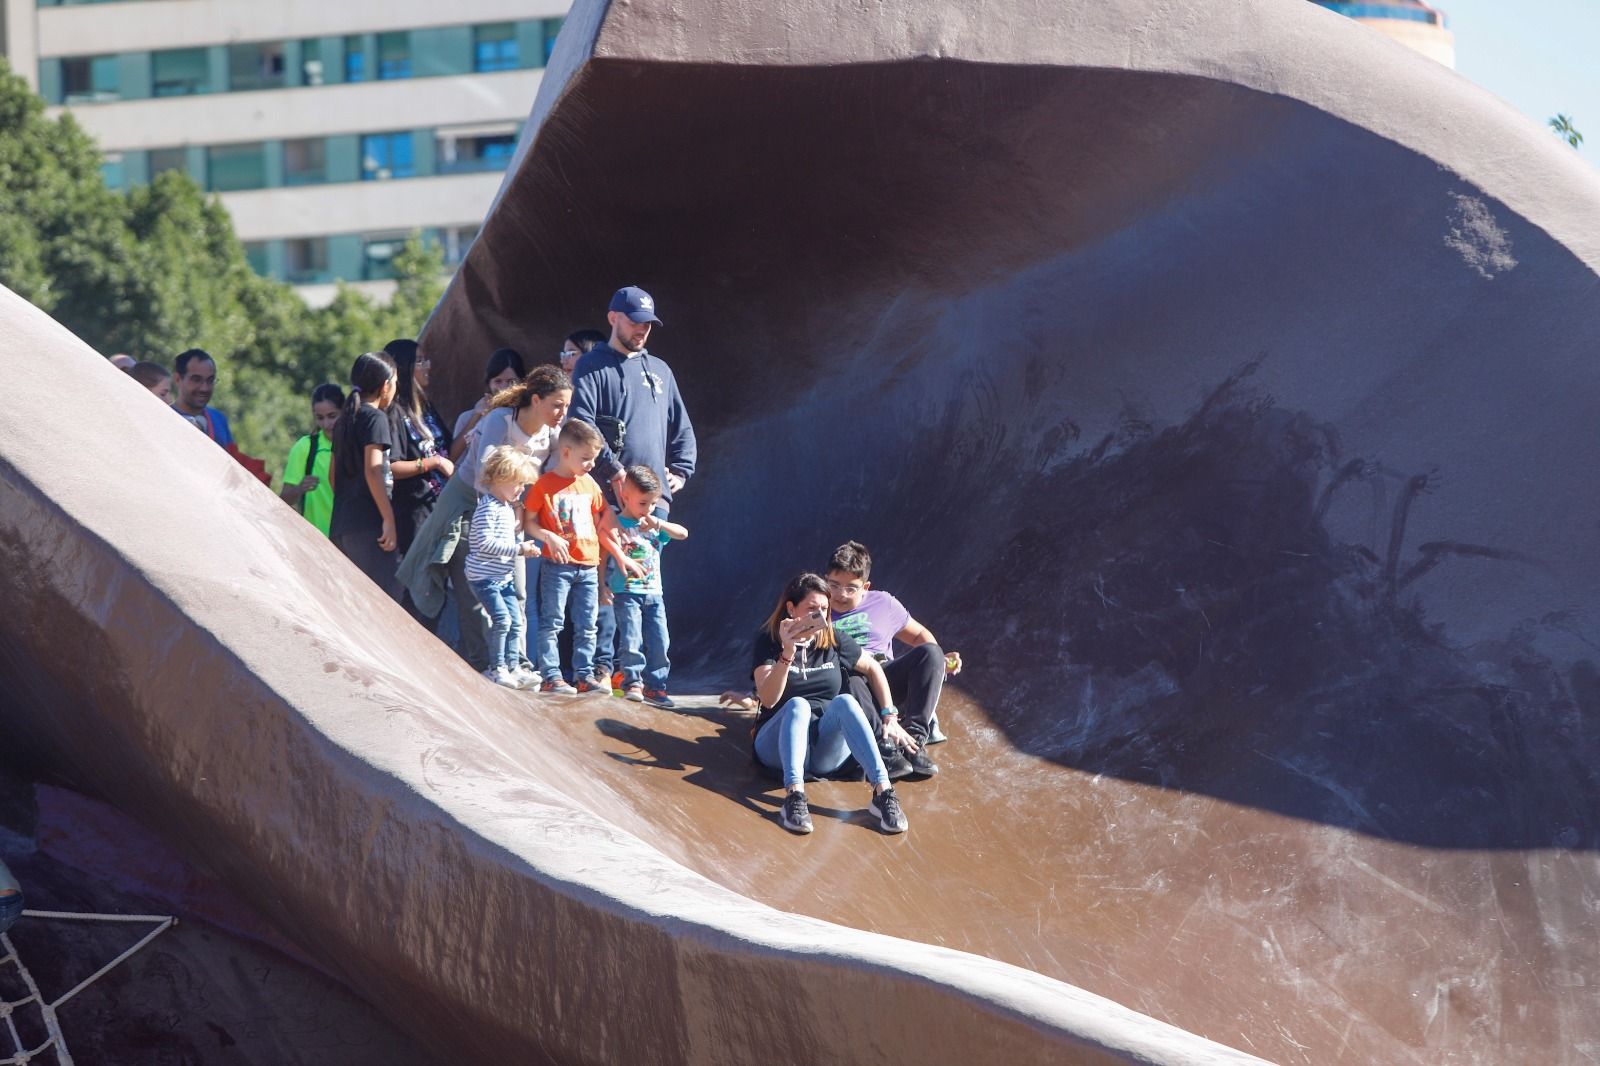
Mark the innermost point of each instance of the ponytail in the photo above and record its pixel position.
(541, 382)
(368, 376)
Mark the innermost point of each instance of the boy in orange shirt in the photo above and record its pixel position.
(566, 513)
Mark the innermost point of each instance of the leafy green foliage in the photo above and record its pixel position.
(1562, 126)
(159, 270)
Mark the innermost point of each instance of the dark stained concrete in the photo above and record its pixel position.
(1218, 378)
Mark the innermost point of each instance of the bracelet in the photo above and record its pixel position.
(790, 659)
(889, 712)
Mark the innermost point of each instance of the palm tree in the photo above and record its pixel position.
(1563, 128)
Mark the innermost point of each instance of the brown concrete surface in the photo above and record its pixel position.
(1220, 383)
(178, 642)
(1220, 380)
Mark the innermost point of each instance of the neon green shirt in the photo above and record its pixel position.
(316, 505)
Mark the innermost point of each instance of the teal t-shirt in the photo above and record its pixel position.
(317, 505)
(643, 548)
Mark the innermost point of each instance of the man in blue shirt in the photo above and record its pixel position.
(631, 397)
(194, 379)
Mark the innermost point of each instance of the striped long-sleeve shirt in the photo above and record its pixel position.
(492, 545)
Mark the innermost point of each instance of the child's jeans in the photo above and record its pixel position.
(499, 598)
(642, 639)
(557, 583)
(606, 655)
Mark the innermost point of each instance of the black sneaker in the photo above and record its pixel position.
(795, 816)
(894, 761)
(921, 765)
(886, 805)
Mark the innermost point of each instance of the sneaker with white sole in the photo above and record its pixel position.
(501, 676)
(634, 693)
(935, 734)
(525, 678)
(795, 815)
(886, 806)
(558, 687)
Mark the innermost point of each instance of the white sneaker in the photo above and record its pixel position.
(501, 676)
(524, 677)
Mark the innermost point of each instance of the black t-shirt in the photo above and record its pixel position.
(353, 508)
(817, 675)
(412, 441)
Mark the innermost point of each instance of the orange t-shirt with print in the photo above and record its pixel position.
(571, 508)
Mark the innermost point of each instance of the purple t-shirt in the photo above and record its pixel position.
(874, 624)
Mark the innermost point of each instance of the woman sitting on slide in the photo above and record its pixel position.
(808, 723)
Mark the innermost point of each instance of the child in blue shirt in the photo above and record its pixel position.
(640, 610)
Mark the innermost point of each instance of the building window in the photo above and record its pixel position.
(255, 253)
(494, 47)
(165, 159)
(377, 255)
(305, 162)
(85, 79)
(305, 261)
(311, 62)
(180, 72)
(394, 56)
(551, 28)
(355, 59)
(113, 171)
(457, 242)
(387, 155)
(255, 66)
(231, 167)
(479, 150)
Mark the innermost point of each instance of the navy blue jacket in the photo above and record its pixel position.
(642, 393)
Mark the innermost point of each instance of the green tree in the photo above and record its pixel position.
(1562, 126)
(160, 269)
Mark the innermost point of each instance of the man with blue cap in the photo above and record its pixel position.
(632, 398)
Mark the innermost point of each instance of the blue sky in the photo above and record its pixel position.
(1540, 56)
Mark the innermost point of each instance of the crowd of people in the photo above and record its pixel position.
(539, 517)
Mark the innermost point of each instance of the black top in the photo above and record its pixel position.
(816, 675)
(353, 509)
(413, 441)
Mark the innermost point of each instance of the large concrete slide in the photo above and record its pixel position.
(1218, 378)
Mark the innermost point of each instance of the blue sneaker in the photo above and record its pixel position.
(658, 698)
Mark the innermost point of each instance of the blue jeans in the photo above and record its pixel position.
(606, 659)
(499, 598)
(557, 583)
(789, 741)
(642, 639)
(531, 588)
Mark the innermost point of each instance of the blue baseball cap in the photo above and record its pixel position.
(635, 303)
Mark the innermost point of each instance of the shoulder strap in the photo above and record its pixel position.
(211, 425)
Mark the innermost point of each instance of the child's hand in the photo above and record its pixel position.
(952, 663)
(605, 595)
(308, 483)
(633, 569)
(528, 549)
(555, 547)
(650, 523)
(387, 540)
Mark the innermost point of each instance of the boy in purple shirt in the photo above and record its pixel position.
(875, 620)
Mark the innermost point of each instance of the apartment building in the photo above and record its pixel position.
(1415, 24)
(329, 130)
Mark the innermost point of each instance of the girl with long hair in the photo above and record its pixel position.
(363, 525)
(306, 485)
(809, 723)
(421, 465)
